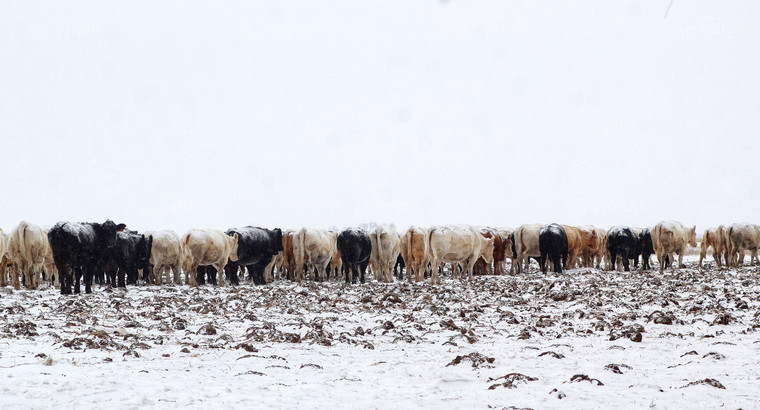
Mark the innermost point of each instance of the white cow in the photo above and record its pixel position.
(5, 241)
(385, 251)
(313, 248)
(203, 247)
(457, 245)
(165, 256)
(742, 237)
(672, 237)
(29, 246)
(526, 245)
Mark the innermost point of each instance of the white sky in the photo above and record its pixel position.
(300, 113)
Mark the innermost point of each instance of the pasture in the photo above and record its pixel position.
(584, 338)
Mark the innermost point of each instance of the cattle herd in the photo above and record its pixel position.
(110, 254)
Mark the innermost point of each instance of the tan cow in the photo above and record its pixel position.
(313, 249)
(385, 251)
(51, 271)
(28, 247)
(203, 247)
(165, 256)
(414, 251)
(458, 245)
(592, 256)
(715, 238)
(526, 245)
(742, 237)
(578, 240)
(336, 266)
(672, 237)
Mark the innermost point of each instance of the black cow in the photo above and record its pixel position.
(398, 268)
(552, 243)
(647, 249)
(130, 253)
(256, 247)
(623, 242)
(355, 248)
(206, 271)
(78, 249)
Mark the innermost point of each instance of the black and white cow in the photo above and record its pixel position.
(355, 247)
(552, 244)
(622, 241)
(256, 247)
(78, 248)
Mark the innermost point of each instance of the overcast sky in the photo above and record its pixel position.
(206, 114)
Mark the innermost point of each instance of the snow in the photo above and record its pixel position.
(331, 345)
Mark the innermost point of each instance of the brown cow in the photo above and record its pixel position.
(577, 241)
(715, 238)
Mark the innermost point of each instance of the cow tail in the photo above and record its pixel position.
(410, 237)
(380, 259)
(298, 247)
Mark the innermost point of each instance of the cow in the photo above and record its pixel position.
(130, 253)
(5, 261)
(313, 249)
(385, 250)
(672, 237)
(355, 247)
(715, 238)
(592, 256)
(500, 245)
(458, 245)
(78, 247)
(288, 263)
(414, 251)
(622, 241)
(165, 256)
(255, 250)
(201, 247)
(647, 249)
(553, 245)
(526, 244)
(335, 268)
(399, 266)
(742, 237)
(578, 241)
(28, 248)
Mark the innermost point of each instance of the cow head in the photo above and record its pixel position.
(234, 248)
(691, 236)
(106, 232)
(487, 251)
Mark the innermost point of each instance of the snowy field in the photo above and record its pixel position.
(586, 339)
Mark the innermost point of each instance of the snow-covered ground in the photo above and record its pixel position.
(586, 339)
